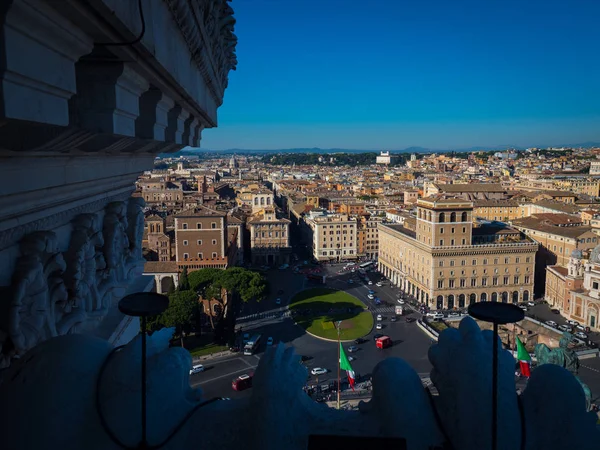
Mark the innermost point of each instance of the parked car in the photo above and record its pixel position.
(318, 371)
(196, 369)
(453, 314)
(565, 328)
(555, 311)
(551, 323)
(581, 335)
(434, 315)
(378, 284)
(523, 307)
(352, 349)
(572, 322)
(270, 340)
(530, 303)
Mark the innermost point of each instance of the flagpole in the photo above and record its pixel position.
(339, 364)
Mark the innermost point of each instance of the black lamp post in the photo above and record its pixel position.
(496, 313)
(143, 305)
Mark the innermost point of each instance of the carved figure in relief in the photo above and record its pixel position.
(39, 296)
(116, 242)
(135, 230)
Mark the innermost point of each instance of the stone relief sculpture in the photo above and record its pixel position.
(63, 371)
(55, 293)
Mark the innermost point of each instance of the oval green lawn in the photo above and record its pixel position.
(321, 322)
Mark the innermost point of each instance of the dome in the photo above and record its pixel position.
(577, 254)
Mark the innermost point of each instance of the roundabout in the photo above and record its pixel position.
(317, 310)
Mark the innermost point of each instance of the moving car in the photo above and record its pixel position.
(523, 307)
(370, 296)
(351, 358)
(278, 301)
(350, 281)
(551, 323)
(410, 319)
(242, 382)
(377, 336)
(378, 284)
(394, 319)
(370, 283)
(352, 348)
(318, 371)
(372, 292)
(555, 311)
(270, 340)
(401, 301)
(359, 341)
(379, 317)
(378, 326)
(196, 369)
(434, 315)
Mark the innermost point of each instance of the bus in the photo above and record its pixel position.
(252, 345)
(366, 265)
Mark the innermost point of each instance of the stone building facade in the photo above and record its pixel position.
(333, 236)
(444, 264)
(269, 237)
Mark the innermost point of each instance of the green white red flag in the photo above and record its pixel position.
(345, 365)
(524, 358)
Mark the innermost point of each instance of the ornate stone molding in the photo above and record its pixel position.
(207, 27)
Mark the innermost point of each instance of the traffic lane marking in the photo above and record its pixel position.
(221, 376)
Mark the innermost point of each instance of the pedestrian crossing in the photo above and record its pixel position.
(287, 313)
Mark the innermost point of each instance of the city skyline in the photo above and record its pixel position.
(435, 75)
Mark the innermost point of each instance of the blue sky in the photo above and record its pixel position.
(400, 73)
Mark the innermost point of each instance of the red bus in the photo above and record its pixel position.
(242, 382)
(383, 342)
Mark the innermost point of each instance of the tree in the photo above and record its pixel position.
(183, 306)
(200, 279)
(184, 283)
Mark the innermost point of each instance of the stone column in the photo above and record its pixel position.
(158, 282)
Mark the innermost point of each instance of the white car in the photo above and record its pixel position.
(197, 369)
(401, 301)
(523, 307)
(278, 301)
(378, 326)
(565, 328)
(530, 303)
(581, 335)
(580, 327)
(379, 318)
(351, 358)
(370, 296)
(572, 322)
(370, 283)
(270, 341)
(378, 284)
(318, 371)
(551, 323)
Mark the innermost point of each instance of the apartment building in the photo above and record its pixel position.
(333, 237)
(156, 240)
(560, 281)
(367, 236)
(471, 191)
(269, 237)
(499, 210)
(587, 186)
(159, 192)
(202, 239)
(447, 263)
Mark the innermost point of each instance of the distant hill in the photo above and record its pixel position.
(195, 151)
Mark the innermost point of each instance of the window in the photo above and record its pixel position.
(464, 229)
(451, 263)
(473, 282)
(463, 262)
(199, 226)
(214, 242)
(464, 242)
(495, 260)
(516, 279)
(214, 255)
(185, 242)
(495, 281)
(505, 280)
(485, 261)
(441, 263)
(595, 285)
(450, 283)
(506, 260)
(474, 262)
(441, 242)
(199, 255)
(517, 260)
(186, 256)
(484, 281)
(452, 230)
(441, 230)
(528, 259)
(440, 284)
(463, 282)
(199, 242)
(213, 225)
(184, 226)
(451, 241)
(526, 279)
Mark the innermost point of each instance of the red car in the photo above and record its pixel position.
(242, 382)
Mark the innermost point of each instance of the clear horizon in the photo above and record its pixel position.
(336, 74)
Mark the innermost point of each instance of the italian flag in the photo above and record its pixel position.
(345, 365)
(524, 358)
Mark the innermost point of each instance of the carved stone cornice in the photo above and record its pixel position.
(207, 27)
